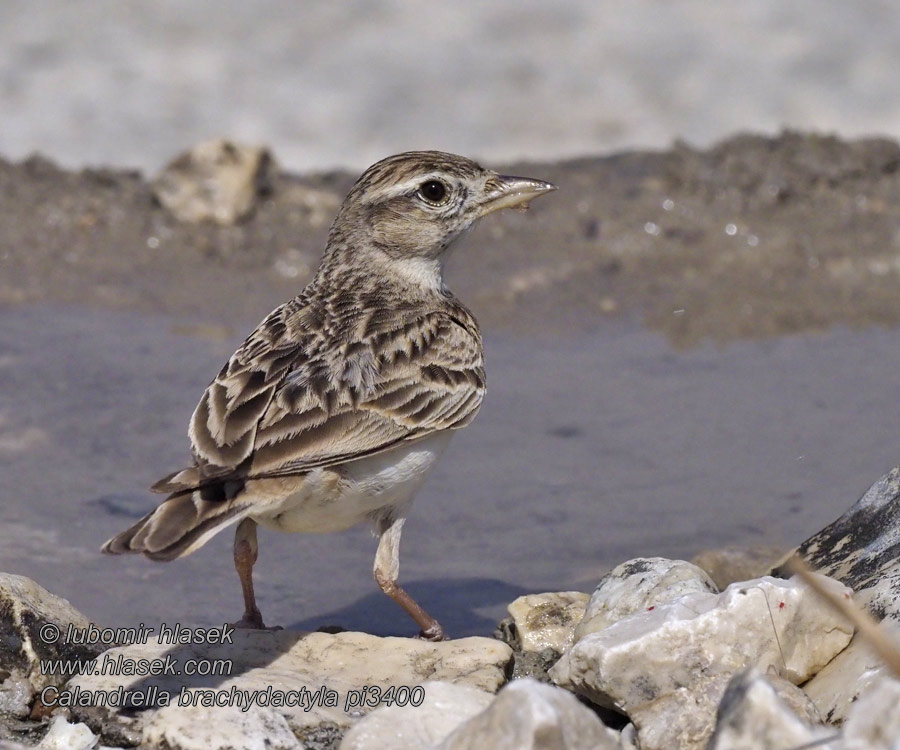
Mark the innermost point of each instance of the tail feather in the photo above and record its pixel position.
(196, 476)
(178, 481)
(182, 523)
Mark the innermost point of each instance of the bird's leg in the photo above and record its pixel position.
(245, 553)
(387, 571)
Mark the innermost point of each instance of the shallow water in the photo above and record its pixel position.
(590, 449)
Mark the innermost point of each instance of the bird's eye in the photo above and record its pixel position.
(434, 191)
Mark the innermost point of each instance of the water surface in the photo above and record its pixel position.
(590, 449)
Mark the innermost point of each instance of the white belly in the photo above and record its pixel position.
(337, 498)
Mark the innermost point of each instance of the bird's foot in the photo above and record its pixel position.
(433, 632)
(254, 621)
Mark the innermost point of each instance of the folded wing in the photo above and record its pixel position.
(295, 397)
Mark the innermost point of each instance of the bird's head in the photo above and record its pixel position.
(412, 206)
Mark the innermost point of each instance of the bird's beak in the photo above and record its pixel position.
(505, 191)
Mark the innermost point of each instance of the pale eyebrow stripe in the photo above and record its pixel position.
(410, 185)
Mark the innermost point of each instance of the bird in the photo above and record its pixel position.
(332, 412)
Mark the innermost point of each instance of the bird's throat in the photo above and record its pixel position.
(420, 272)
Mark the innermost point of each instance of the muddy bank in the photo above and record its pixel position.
(752, 238)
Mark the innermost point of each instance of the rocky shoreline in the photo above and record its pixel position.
(658, 657)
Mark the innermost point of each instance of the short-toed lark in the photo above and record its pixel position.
(334, 409)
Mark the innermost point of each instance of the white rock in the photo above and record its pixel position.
(640, 585)
(850, 675)
(531, 715)
(322, 670)
(65, 736)
(758, 713)
(547, 620)
(668, 668)
(873, 722)
(214, 181)
(225, 728)
(413, 727)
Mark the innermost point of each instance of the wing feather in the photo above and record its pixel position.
(299, 395)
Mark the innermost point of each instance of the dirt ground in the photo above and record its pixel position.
(752, 238)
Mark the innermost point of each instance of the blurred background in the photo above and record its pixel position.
(330, 84)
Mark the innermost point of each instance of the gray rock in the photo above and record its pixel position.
(322, 737)
(534, 664)
(33, 628)
(539, 629)
(413, 727)
(668, 668)
(530, 715)
(216, 181)
(640, 585)
(758, 712)
(860, 549)
(548, 620)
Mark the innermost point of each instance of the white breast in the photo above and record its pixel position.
(340, 497)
